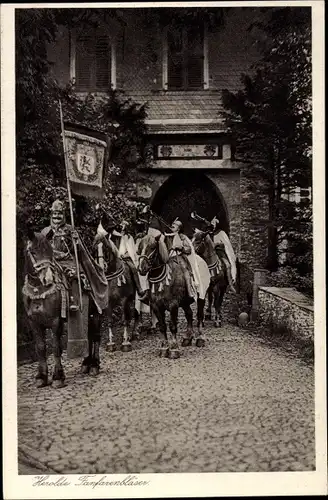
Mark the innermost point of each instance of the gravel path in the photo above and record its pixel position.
(237, 404)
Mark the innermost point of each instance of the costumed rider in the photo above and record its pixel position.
(225, 251)
(60, 234)
(181, 245)
(126, 248)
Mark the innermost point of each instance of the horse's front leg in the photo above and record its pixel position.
(210, 302)
(200, 340)
(174, 352)
(164, 348)
(187, 339)
(86, 363)
(41, 352)
(58, 376)
(154, 322)
(94, 341)
(110, 346)
(126, 344)
(135, 335)
(217, 306)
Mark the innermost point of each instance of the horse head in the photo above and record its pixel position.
(198, 241)
(151, 249)
(204, 246)
(40, 259)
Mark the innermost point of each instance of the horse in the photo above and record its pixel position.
(121, 292)
(204, 247)
(45, 303)
(168, 292)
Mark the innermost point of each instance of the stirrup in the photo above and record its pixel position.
(73, 307)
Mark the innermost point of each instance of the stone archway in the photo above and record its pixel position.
(187, 191)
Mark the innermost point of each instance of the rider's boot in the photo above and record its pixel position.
(143, 294)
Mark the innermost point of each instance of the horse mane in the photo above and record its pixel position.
(163, 252)
(42, 244)
(112, 247)
(210, 242)
(162, 248)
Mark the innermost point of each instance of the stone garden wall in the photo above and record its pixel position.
(286, 309)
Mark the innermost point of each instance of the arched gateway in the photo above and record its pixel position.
(185, 192)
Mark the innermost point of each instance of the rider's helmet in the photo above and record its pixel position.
(177, 226)
(57, 212)
(215, 222)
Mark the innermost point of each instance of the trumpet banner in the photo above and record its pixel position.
(87, 156)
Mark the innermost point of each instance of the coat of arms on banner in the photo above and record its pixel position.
(85, 158)
(87, 152)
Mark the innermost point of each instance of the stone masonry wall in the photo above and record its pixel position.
(286, 309)
(253, 232)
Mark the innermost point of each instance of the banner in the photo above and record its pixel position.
(87, 157)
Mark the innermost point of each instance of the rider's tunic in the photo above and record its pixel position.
(222, 239)
(62, 244)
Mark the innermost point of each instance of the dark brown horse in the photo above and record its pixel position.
(121, 292)
(204, 247)
(45, 302)
(168, 292)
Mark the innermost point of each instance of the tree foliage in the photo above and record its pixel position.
(272, 123)
(40, 168)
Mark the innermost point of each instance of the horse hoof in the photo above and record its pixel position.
(110, 347)
(200, 342)
(174, 354)
(42, 383)
(94, 371)
(163, 352)
(186, 342)
(85, 369)
(126, 347)
(58, 384)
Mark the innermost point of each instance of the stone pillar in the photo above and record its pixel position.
(77, 331)
(260, 277)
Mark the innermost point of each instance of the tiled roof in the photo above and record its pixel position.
(192, 128)
(186, 105)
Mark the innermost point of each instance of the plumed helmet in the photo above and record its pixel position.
(58, 206)
(215, 221)
(178, 223)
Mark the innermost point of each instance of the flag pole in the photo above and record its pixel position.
(70, 205)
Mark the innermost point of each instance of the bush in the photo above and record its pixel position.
(289, 277)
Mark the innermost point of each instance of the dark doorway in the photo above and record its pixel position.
(185, 192)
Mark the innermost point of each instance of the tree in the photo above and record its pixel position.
(271, 118)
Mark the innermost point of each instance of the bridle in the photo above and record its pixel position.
(201, 241)
(149, 258)
(38, 266)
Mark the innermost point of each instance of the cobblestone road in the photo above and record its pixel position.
(238, 404)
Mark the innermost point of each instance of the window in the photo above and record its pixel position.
(186, 58)
(93, 63)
